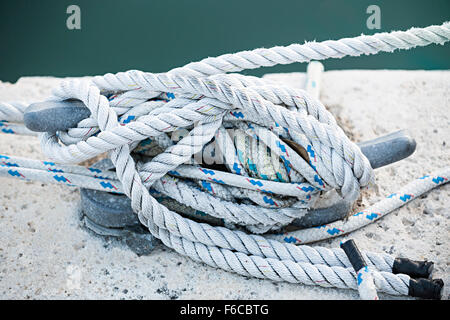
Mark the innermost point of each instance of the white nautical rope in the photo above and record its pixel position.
(131, 110)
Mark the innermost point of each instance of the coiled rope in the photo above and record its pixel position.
(284, 150)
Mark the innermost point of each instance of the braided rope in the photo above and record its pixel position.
(130, 110)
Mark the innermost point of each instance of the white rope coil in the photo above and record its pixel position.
(284, 150)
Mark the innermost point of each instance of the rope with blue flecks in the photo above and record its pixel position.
(200, 97)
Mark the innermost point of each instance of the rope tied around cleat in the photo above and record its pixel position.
(278, 148)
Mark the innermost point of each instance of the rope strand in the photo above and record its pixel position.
(284, 149)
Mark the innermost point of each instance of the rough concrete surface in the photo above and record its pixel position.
(44, 254)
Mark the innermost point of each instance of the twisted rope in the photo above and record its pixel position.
(286, 148)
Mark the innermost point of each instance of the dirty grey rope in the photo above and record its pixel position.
(132, 107)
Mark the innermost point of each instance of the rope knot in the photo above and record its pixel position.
(245, 140)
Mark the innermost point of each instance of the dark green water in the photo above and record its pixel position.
(159, 35)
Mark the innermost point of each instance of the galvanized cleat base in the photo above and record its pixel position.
(110, 215)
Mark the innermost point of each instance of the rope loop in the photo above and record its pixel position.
(256, 115)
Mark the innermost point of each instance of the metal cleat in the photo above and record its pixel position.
(55, 115)
(110, 215)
